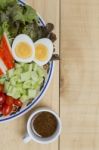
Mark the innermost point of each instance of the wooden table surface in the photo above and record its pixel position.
(78, 105)
(80, 74)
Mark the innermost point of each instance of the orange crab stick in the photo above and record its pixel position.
(5, 53)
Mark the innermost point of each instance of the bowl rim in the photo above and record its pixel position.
(41, 93)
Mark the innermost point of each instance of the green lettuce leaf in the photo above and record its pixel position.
(5, 3)
(30, 14)
(17, 15)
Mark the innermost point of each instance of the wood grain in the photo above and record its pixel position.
(11, 133)
(80, 75)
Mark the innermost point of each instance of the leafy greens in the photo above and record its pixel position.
(16, 19)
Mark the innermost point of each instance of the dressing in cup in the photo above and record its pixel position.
(43, 126)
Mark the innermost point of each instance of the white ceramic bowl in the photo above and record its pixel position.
(40, 95)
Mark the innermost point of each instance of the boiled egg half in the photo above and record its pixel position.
(43, 51)
(23, 49)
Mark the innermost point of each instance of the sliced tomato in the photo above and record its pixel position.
(9, 100)
(18, 103)
(6, 109)
(2, 98)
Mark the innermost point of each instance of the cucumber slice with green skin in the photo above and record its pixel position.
(25, 76)
(17, 65)
(24, 92)
(31, 93)
(34, 76)
(10, 73)
(24, 81)
(18, 71)
(13, 80)
(6, 86)
(24, 98)
(35, 67)
(2, 80)
(30, 67)
(25, 67)
(27, 84)
(14, 92)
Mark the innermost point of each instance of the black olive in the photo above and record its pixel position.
(52, 37)
(55, 57)
(49, 27)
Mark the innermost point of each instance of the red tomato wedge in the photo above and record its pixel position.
(17, 102)
(9, 100)
(5, 52)
(7, 109)
(2, 98)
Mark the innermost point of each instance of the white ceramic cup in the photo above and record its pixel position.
(30, 135)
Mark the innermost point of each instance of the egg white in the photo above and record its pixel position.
(48, 43)
(23, 38)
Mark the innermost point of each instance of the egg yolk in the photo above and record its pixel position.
(23, 50)
(41, 52)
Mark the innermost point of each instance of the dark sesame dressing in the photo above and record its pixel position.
(44, 124)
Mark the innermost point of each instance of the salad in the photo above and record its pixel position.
(26, 47)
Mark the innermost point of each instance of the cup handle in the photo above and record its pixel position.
(26, 138)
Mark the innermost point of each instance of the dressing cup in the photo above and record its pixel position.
(31, 135)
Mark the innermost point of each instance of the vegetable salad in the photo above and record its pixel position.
(26, 47)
